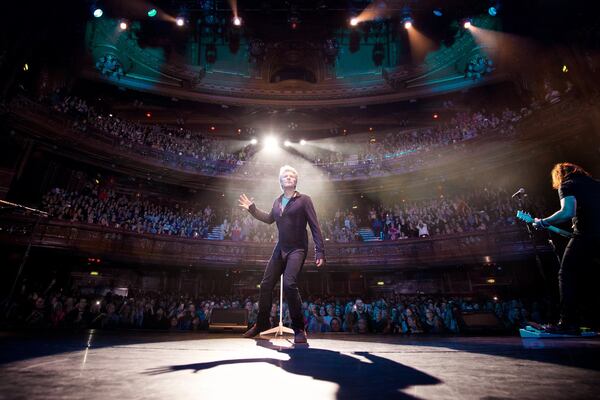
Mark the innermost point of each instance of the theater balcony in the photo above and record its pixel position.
(505, 245)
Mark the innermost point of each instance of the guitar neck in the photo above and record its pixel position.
(559, 231)
(523, 216)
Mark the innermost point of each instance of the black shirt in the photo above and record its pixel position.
(586, 191)
(291, 223)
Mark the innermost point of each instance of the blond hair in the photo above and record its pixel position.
(289, 168)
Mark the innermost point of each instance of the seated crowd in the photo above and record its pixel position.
(478, 210)
(372, 156)
(195, 150)
(395, 314)
(101, 206)
(173, 142)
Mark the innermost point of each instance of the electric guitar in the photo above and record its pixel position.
(523, 216)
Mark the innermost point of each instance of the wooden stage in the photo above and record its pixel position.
(173, 365)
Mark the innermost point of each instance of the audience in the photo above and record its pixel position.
(378, 154)
(394, 314)
(101, 206)
(476, 210)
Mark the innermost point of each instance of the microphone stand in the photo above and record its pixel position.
(39, 214)
(531, 234)
(549, 291)
(280, 329)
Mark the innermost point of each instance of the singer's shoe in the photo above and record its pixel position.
(252, 332)
(300, 337)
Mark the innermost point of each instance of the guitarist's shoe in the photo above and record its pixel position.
(562, 328)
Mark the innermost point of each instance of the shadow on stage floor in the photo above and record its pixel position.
(377, 378)
(580, 353)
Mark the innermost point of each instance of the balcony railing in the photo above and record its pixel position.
(129, 247)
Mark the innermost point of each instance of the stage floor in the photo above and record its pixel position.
(159, 365)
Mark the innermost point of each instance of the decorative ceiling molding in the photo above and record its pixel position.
(150, 70)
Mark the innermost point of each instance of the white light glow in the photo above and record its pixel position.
(271, 143)
(302, 142)
(179, 21)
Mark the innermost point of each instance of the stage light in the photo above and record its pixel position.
(380, 283)
(467, 24)
(435, 116)
(287, 143)
(565, 69)
(353, 21)
(94, 273)
(438, 12)
(149, 115)
(253, 142)
(271, 143)
(302, 142)
(294, 20)
(152, 13)
(407, 22)
(237, 21)
(98, 12)
(491, 280)
(493, 11)
(180, 21)
(123, 25)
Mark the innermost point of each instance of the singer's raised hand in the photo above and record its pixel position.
(245, 202)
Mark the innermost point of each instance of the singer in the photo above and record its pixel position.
(291, 211)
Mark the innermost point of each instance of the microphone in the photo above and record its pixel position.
(518, 193)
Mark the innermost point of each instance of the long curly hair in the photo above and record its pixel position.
(562, 171)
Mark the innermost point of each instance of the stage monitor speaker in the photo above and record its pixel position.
(222, 320)
(479, 322)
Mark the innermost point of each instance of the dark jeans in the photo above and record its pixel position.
(577, 272)
(290, 266)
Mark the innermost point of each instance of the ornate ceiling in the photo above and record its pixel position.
(340, 66)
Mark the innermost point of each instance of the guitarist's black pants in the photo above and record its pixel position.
(577, 279)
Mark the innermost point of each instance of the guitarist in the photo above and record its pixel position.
(579, 195)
